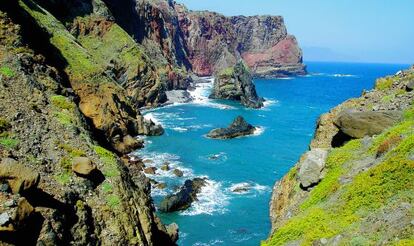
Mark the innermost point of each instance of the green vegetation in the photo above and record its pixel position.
(9, 143)
(227, 72)
(334, 208)
(80, 63)
(109, 159)
(63, 103)
(113, 201)
(72, 151)
(107, 187)
(334, 164)
(66, 163)
(383, 84)
(63, 178)
(7, 72)
(64, 118)
(388, 98)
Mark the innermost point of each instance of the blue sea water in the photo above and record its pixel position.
(287, 124)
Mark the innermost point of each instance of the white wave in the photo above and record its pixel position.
(285, 78)
(247, 187)
(212, 242)
(151, 116)
(201, 93)
(259, 130)
(344, 75)
(211, 200)
(222, 156)
(179, 129)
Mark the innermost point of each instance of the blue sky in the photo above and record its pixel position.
(343, 30)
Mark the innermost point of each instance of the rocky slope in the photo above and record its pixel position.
(207, 42)
(63, 122)
(354, 186)
(236, 83)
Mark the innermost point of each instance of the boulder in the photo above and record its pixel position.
(236, 83)
(150, 170)
(14, 217)
(19, 177)
(128, 144)
(165, 167)
(311, 167)
(161, 186)
(241, 188)
(178, 173)
(185, 197)
(369, 123)
(83, 166)
(410, 86)
(238, 128)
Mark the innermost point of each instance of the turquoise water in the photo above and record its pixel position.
(287, 124)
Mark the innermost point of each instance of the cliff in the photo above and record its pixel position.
(354, 186)
(206, 42)
(65, 121)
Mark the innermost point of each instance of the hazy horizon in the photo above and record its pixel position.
(371, 31)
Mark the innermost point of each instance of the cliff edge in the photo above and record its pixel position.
(354, 186)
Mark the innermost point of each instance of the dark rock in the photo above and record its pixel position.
(161, 186)
(236, 83)
(369, 123)
(410, 86)
(185, 197)
(150, 170)
(178, 173)
(238, 128)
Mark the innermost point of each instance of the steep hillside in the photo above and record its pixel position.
(207, 42)
(60, 117)
(355, 185)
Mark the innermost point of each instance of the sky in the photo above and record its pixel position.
(380, 31)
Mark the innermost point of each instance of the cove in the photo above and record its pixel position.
(287, 124)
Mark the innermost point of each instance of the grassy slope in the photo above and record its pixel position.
(334, 208)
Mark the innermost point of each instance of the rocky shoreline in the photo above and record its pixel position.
(356, 177)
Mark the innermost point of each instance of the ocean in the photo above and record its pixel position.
(285, 127)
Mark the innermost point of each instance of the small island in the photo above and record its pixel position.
(238, 128)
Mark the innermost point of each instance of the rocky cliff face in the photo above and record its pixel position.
(59, 106)
(354, 186)
(207, 42)
(236, 83)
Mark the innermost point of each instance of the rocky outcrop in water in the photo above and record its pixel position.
(358, 183)
(238, 128)
(235, 83)
(185, 197)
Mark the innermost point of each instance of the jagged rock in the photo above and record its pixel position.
(161, 186)
(238, 128)
(83, 166)
(19, 177)
(368, 123)
(178, 173)
(128, 144)
(172, 230)
(148, 127)
(236, 83)
(185, 197)
(310, 169)
(150, 170)
(410, 86)
(14, 217)
(242, 188)
(165, 167)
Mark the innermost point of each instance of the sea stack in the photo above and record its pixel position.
(238, 128)
(236, 83)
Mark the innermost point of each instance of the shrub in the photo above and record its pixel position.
(388, 144)
(383, 84)
(9, 143)
(62, 103)
(7, 72)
